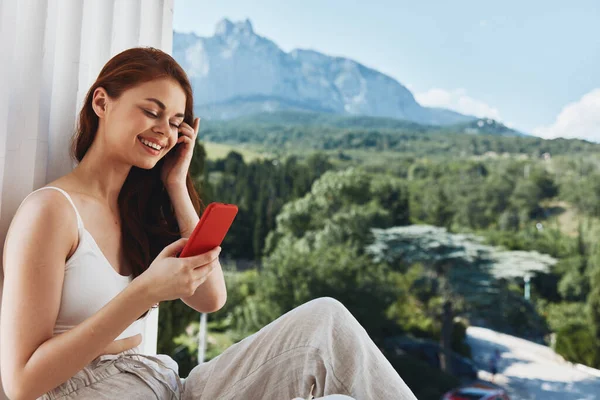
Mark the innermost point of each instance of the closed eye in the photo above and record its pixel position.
(154, 116)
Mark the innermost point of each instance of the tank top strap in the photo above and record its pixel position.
(79, 220)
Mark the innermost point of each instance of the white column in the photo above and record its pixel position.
(54, 51)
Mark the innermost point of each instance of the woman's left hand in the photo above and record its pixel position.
(118, 346)
(177, 161)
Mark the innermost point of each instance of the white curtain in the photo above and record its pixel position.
(52, 51)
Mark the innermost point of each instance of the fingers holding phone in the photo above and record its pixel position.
(203, 259)
(186, 263)
(204, 264)
(170, 277)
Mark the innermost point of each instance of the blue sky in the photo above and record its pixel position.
(534, 65)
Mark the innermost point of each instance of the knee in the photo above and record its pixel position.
(325, 323)
(322, 314)
(326, 303)
(327, 307)
(331, 322)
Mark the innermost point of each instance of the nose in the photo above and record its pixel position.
(162, 126)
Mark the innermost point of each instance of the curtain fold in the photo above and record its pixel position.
(52, 51)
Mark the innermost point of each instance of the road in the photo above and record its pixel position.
(531, 371)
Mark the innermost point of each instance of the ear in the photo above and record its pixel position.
(100, 102)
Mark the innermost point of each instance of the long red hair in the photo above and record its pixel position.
(147, 214)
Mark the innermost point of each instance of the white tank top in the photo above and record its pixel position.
(90, 282)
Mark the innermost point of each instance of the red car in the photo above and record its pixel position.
(477, 391)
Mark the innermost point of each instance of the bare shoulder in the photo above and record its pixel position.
(44, 218)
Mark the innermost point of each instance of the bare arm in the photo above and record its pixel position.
(212, 294)
(62, 356)
(32, 361)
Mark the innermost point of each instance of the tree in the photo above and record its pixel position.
(593, 300)
(259, 189)
(317, 246)
(340, 208)
(525, 199)
(465, 269)
(545, 182)
(295, 273)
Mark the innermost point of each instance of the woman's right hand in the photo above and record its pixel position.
(170, 277)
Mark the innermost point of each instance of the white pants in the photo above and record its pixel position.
(317, 349)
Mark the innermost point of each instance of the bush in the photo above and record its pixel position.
(459, 336)
(426, 382)
(291, 276)
(576, 343)
(563, 315)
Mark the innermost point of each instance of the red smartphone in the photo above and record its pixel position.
(211, 229)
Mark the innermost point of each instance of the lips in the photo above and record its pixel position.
(150, 150)
(154, 141)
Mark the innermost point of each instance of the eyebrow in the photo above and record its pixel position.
(162, 106)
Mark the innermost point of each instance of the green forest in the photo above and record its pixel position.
(419, 231)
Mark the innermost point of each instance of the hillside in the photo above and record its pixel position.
(290, 131)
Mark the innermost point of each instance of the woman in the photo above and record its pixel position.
(87, 255)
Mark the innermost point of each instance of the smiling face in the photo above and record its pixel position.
(141, 126)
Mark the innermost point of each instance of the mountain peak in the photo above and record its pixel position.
(226, 27)
(239, 72)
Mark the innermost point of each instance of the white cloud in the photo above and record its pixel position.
(457, 100)
(580, 119)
